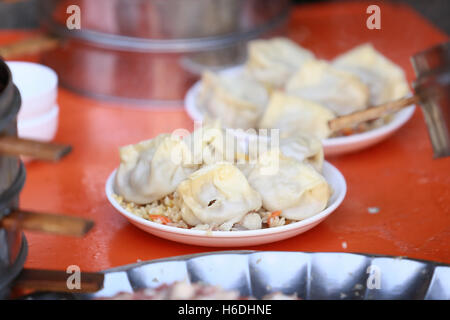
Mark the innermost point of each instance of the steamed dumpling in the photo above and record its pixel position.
(273, 61)
(303, 148)
(339, 91)
(386, 80)
(217, 194)
(211, 143)
(293, 114)
(287, 185)
(236, 99)
(152, 169)
(208, 145)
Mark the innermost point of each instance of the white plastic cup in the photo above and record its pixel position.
(38, 87)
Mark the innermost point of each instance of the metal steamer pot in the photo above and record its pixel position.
(13, 245)
(13, 248)
(152, 51)
(9, 107)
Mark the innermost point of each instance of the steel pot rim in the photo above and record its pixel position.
(135, 44)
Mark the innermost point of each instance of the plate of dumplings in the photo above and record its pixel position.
(284, 86)
(212, 188)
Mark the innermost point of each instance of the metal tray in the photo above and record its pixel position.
(310, 275)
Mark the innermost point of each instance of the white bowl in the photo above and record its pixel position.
(237, 238)
(331, 146)
(41, 128)
(38, 87)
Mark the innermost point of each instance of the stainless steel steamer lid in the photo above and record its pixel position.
(168, 25)
(149, 52)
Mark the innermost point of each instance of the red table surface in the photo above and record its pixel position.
(399, 175)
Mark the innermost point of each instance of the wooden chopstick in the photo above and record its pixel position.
(57, 281)
(371, 113)
(48, 223)
(32, 148)
(33, 45)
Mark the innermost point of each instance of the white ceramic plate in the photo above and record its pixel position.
(237, 238)
(332, 146)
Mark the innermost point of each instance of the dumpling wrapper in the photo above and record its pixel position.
(208, 144)
(152, 169)
(217, 194)
(294, 188)
(293, 115)
(236, 99)
(385, 79)
(274, 61)
(303, 148)
(338, 90)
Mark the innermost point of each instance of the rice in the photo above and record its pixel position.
(168, 211)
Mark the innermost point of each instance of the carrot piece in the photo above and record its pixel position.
(347, 131)
(163, 219)
(273, 215)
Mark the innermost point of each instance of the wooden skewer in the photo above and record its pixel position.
(371, 113)
(33, 45)
(31, 148)
(49, 223)
(58, 281)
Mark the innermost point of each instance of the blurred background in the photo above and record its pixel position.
(161, 41)
(24, 13)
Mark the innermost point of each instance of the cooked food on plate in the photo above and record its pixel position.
(293, 114)
(385, 80)
(303, 148)
(157, 181)
(337, 90)
(273, 61)
(293, 188)
(237, 100)
(217, 194)
(153, 168)
(263, 93)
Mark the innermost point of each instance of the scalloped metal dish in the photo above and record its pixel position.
(310, 275)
